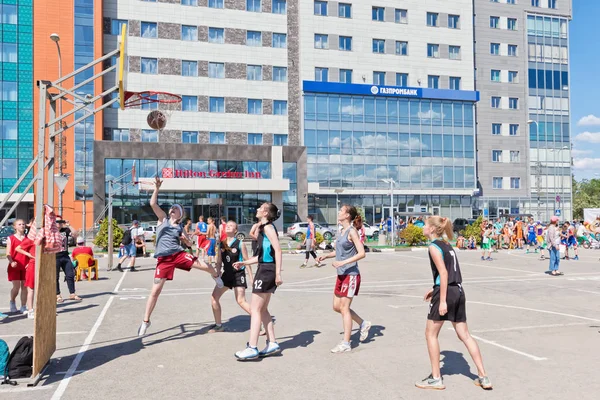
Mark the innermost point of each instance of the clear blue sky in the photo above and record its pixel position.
(585, 86)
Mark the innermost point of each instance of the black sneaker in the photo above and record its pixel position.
(119, 268)
(133, 269)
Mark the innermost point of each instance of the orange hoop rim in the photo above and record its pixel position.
(133, 99)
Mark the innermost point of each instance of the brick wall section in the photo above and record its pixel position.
(135, 135)
(267, 106)
(202, 3)
(266, 6)
(236, 138)
(267, 73)
(135, 28)
(203, 68)
(235, 36)
(203, 33)
(169, 66)
(170, 1)
(169, 31)
(169, 136)
(294, 89)
(134, 63)
(238, 105)
(267, 39)
(267, 139)
(235, 71)
(236, 4)
(203, 103)
(203, 137)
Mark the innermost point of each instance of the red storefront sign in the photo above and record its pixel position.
(188, 173)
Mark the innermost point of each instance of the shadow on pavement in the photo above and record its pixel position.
(72, 309)
(456, 364)
(237, 324)
(303, 339)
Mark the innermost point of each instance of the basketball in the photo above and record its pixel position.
(156, 120)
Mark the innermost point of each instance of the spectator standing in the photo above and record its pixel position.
(63, 262)
(129, 249)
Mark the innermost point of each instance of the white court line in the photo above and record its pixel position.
(574, 289)
(312, 280)
(534, 358)
(481, 266)
(406, 305)
(518, 328)
(26, 389)
(64, 383)
(535, 310)
(58, 333)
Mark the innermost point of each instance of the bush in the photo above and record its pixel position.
(473, 230)
(318, 235)
(102, 237)
(413, 235)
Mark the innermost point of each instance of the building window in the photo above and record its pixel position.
(511, 1)
(455, 83)
(215, 3)
(254, 72)
(9, 130)
(495, 49)
(189, 103)
(321, 41)
(189, 68)
(454, 52)
(495, 75)
(378, 46)
(149, 135)
(552, 4)
(378, 14)
(149, 30)
(432, 19)
(189, 33)
(115, 24)
(149, 65)
(344, 10)
(515, 183)
(512, 24)
(280, 107)
(216, 70)
(495, 22)
(378, 78)
(515, 156)
(9, 91)
(280, 40)
(189, 137)
(345, 43)
(9, 15)
(401, 16)
(401, 48)
(345, 76)
(535, 3)
(279, 7)
(433, 50)
(514, 130)
(217, 138)
(496, 129)
(255, 139)
(280, 74)
(8, 168)
(254, 38)
(321, 8)
(120, 135)
(513, 103)
(189, 2)
(454, 21)
(512, 50)
(255, 106)
(496, 155)
(216, 35)
(496, 102)
(9, 52)
(401, 79)
(321, 74)
(513, 77)
(216, 105)
(253, 5)
(152, 104)
(433, 81)
(497, 182)
(280, 140)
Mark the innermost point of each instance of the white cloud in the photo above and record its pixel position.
(589, 120)
(579, 153)
(591, 137)
(586, 164)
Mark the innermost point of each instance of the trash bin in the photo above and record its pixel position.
(382, 239)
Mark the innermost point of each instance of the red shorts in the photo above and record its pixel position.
(347, 285)
(16, 274)
(203, 242)
(30, 275)
(165, 267)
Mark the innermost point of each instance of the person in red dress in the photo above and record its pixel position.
(16, 267)
(27, 249)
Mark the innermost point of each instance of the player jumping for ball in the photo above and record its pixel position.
(169, 253)
(447, 304)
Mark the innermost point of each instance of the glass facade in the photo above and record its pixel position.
(356, 141)
(16, 103)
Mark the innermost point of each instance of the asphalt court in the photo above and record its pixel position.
(538, 335)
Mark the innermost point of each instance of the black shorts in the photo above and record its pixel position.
(456, 301)
(264, 280)
(237, 279)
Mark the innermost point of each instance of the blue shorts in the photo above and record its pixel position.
(572, 242)
(211, 248)
(130, 250)
(532, 239)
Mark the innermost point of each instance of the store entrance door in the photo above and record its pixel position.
(234, 214)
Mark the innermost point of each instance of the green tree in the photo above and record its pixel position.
(319, 238)
(413, 235)
(586, 194)
(102, 236)
(473, 230)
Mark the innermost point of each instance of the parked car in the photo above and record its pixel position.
(460, 224)
(371, 231)
(298, 229)
(149, 232)
(5, 232)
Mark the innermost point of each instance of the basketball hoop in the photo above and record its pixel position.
(146, 185)
(134, 99)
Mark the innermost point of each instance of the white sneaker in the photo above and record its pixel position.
(218, 281)
(249, 353)
(13, 307)
(341, 348)
(364, 330)
(30, 314)
(270, 349)
(23, 310)
(143, 328)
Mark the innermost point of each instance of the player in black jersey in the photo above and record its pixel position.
(447, 304)
(230, 251)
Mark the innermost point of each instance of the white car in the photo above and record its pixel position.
(149, 232)
(296, 231)
(371, 231)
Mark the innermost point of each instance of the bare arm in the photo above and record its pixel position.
(245, 257)
(436, 256)
(21, 251)
(160, 214)
(254, 231)
(219, 262)
(8, 251)
(272, 235)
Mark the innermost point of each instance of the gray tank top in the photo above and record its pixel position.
(167, 239)
(344, 249)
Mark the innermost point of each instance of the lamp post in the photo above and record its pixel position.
(337, 200)
(56, 38)
(558, 151)
(538, 175)
(392, 183)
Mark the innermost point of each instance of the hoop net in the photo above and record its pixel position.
(135, 99)
(145, 185)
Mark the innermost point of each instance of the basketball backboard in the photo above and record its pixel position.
(122, 66)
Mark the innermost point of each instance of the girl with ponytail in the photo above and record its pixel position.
(348, 250)
(447, 304)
